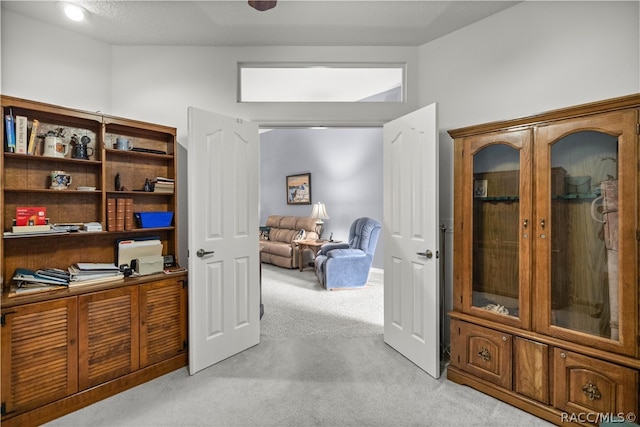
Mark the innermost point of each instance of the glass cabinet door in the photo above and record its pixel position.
(585, 229)
(499, 197)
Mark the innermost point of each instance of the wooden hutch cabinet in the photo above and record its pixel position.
(545, 299)
(65, 349)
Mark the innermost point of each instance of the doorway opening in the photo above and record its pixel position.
(345, 164)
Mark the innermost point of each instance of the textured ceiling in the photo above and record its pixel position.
(290, 23)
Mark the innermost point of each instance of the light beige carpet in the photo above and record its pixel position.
(297, 306)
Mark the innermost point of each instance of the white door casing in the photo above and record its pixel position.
(411, 233)
(224, 288)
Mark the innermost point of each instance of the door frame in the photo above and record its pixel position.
(446, 237)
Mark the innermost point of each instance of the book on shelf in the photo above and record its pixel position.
(31, 148)
(111, 214)
(84, 273)
(120, 205)
(21, 134)
(128, 214)
(96, 279)
(31, 228)
(54, 273)
(9, 127)
(24, 275)
(162, 179)
(163, 185)
(174, 269)
(96, 266)
(89, 268)
(163, 190)
(9, 234)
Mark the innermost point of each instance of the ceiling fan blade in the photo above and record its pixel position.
(262, 5)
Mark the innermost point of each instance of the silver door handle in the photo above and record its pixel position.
(202, 252)
(428, 254)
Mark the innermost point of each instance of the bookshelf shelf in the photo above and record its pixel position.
(139, 193)
(113, 151)
(38, 158)
(50, 191)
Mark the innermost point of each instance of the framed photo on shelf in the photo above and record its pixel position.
(299, 189)
(480, 188)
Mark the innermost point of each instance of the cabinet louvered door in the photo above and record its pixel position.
(39, 354)
(108, 335)
(163, 327)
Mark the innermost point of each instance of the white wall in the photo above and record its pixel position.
(531, 58)
(48, 64)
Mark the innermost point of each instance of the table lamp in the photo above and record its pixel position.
(319, 212)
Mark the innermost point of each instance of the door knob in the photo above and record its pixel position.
(428, 254)
(202, 252)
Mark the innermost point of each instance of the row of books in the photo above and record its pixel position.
(18, 139)
(79, 274)
(163, 185)
(120, 214)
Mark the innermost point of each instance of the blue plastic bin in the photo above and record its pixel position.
(153, 219)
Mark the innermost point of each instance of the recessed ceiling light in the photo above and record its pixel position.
(73, 11)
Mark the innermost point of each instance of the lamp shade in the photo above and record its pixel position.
(319, 211)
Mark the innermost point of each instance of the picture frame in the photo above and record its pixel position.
(480, 188)
(299, 189)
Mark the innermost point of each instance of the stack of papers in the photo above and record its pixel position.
(163, 185)
(34, 281)
(26, 276)
(84, 273)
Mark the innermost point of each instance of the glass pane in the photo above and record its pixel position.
(321, 83)
(584, 246)
(496, 213)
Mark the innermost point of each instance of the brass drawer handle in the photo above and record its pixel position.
(591, 391)
(484, 354)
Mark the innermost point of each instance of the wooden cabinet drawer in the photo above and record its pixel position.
(587, 385)
(483, 352)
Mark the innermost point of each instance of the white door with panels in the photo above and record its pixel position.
(224, 279)
(411, 238)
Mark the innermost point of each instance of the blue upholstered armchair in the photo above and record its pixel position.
(346, 265)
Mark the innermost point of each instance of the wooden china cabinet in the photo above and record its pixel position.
(546, 304)
(65, 349)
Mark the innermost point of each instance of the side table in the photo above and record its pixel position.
(310, 244)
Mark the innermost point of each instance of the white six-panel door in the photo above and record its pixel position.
(411, 238)
(224, 288)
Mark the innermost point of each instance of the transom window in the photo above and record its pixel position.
(321, 82)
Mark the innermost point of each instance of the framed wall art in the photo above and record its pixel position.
(299, 189)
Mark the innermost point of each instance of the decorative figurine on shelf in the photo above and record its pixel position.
(118, 184)
(81, 149)
(147, 186)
